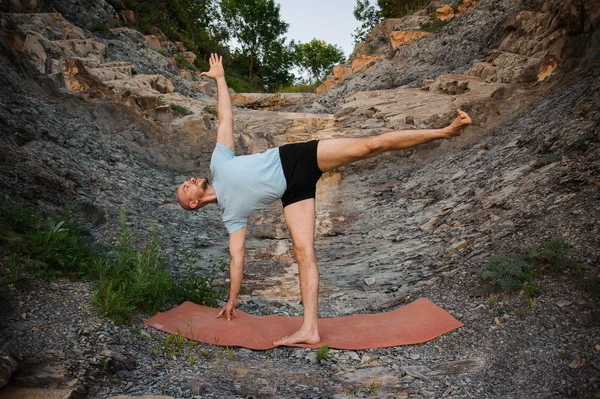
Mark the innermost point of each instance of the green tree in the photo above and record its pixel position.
(400, 8)
(366, 13)
(277, 62)
(256, 26)
(204, 15)
(318, 58)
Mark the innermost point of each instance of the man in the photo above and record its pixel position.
(245, 184)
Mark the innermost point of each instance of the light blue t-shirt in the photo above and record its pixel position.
(245, 184)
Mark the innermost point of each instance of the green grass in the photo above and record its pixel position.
(323, 353)
(512, 273)
(211, 109)
(401, 8)
(299, 88)
(130, 277)
(99, 27)
(583, 143)
(239, 85)
(505, 273)
(547, 159)
(182, 63)
(456, 4)
(180, 109)
(433, 26)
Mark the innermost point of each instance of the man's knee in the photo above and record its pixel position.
(304, 251)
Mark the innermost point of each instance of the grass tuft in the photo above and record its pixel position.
(132, 277)
(180, 109)
(323, 353)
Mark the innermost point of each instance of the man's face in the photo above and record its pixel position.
(190, 191)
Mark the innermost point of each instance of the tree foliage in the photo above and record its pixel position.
(193, 22)
(318, 58)
(255, 25)
(369, 15)
(400, 8)
(248, 33)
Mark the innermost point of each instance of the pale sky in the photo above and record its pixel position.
(328, 20)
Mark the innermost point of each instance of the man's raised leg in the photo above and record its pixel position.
(300, 218)
(333, 153)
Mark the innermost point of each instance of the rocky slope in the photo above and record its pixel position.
(86, 121)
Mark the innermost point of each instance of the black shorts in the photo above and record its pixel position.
(301, 171)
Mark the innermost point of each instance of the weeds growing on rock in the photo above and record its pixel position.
(583, 143)
(195, 287)
(548, 159)
(174, 343)
(35, 248)
(180, 109)
(433, 26)
(323, 353)
(503, 273)
(33, 245)
(298, 88)
(456, 5)
(211, 109)
(182, 63)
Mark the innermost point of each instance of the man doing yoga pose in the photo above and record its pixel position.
(242, 185)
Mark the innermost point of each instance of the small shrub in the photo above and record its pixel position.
(239, 85)
(583, 143)
(433, 26)
(182, 63)
(117, 4)
(504, 273)
(180, 109)
(99, 27)
(548, 159)
(323, 353)
(195, 287)
(298, 88)
(174, 343)
(162, 52)
(530, 289)
(399, 9)
(133, 277)
(456, 4)
(210, 109)
(555, 255)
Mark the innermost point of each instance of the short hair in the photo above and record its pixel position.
(182, 203)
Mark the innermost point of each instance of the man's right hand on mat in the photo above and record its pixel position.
(228, 310)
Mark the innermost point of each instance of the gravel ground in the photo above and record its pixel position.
(507, 348)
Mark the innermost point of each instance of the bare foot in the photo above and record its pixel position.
(299, 337)
(457, 126)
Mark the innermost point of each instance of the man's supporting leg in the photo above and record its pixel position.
(333, 153)
(300, 218)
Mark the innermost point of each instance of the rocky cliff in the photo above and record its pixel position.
(92, 120)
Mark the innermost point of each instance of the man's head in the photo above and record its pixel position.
(191, 192)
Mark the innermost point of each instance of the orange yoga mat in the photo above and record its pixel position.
(417, 322)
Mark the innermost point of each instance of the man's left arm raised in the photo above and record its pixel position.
(224, 108)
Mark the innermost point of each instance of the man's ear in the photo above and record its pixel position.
(193, 204)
